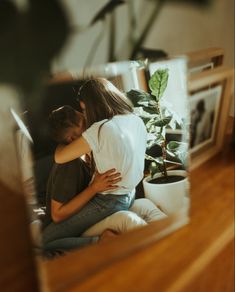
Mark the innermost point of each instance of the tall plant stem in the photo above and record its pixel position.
(145, 32)
(112, 40)
(164, 157)
(94, 47)
(163, 145)
(132, 23)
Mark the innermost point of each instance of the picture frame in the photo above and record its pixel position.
(215, 85)
(203, 60)
(204, 108)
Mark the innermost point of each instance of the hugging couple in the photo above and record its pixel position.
(99, 162)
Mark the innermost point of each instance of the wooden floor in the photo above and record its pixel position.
(198, 257)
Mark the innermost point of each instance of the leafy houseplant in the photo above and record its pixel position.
(157, 117)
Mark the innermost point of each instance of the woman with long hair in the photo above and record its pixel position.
(117, 139)
(115, 135)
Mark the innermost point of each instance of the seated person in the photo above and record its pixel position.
(69, 190)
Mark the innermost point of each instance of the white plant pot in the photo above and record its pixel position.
(170, 197)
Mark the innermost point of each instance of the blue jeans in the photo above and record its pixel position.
(65, 235)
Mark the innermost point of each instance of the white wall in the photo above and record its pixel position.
(182, 28)
(179, 28)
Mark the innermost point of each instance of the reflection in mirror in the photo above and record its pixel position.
(122, 130)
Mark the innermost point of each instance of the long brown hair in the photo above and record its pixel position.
(102, 100)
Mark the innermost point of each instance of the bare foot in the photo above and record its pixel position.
(107, 234)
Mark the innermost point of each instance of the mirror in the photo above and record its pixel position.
(156, 198)
(157, 93)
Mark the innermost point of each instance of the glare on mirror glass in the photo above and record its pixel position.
(23, 141)
(122, 157)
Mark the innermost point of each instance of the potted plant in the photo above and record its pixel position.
(166, 189)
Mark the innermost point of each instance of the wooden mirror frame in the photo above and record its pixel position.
(16, 247)
(34, 274)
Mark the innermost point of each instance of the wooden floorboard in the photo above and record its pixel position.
(172, 263)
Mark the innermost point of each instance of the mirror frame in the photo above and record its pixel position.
(91, 259)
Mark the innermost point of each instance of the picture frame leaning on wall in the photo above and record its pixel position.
(210, 94)
(205, 59)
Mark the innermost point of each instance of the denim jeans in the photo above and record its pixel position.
(65, 235)
(69, 243)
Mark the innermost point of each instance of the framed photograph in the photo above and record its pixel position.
(210, 94)
(204, 109)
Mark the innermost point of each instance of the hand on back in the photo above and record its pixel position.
(106, 181)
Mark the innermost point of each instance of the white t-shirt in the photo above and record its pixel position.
(121, 145)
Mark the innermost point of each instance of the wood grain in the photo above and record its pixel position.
(198, 257)
(216, 55)
(17, 260)
(173, 263)
(205, 78)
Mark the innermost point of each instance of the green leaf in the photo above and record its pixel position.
(145, 120)
(153, 168)
(151, 143)
(137, 96)
(158, 82)
(148, 157)
(157, 137)
(151, 110)
(148, 103)
(179, 150)
(160, 122)
(139, 111)
(174, 146)
(153, 103)
(158, 160)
